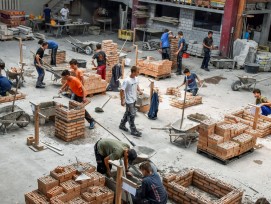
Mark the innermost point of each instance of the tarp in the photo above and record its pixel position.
(244, 51)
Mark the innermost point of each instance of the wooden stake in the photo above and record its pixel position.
(122, 68)
(136, 55)
(256, 117)
(239, 22)
(134, 36)
(37, 125)
(119, 185)
(151, 90)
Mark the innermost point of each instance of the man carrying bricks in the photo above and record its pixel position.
(207, 47)
(262, 102)
(190, 78)
(38, 65)
(165, 44)
(152, 190)
(100, 56)
(79, 92)
(110, 149)
(128, 95)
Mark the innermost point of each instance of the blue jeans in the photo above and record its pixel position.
(266, 110)
(180, 62)
(206, 59)
(41, 74)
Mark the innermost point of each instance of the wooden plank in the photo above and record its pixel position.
(256, 118)
(119, 185)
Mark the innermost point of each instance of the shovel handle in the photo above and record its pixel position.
(106, 102)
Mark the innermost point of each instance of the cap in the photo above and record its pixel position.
(132, 155)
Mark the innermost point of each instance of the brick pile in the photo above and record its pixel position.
(10, 97)
(154, 68)
(60, 57)
(203, 3)
(60, 187)
(12, 18)
(69, 123)
(93, 84)
(178, 188)
(173, 92)
(173, 50)
(111, 50)
(263, 128)
(178, 102)
(225, 140)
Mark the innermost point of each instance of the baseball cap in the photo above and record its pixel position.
(132, 155)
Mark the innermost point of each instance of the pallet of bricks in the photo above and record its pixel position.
(69, 122)
(157, 69)
(60, 57)
(195, 186)
(203, 3)
(225, 140)
(178, 100)
(111, 50)
(94, 84)
(10, 97)
(12, 18)
(263, 127)
(173, 50)
(5, 33)
(60, 187)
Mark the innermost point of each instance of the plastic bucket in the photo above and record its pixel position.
(252, 68)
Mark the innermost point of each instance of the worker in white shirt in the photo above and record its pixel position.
(64, 12)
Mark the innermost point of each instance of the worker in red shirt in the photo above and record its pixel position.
(100, 57)
(79, 92)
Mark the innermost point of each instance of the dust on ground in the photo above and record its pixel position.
(214, 80)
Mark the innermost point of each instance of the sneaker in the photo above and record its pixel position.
(206, 69)
(136, 133)
(91, 125)
(122, 127)
(40, 87)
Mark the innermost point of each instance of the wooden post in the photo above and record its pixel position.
(122, 68)
(119, 185)
(239, 20)
(134, 36)
(151, 90)
(256, 118)
(37, 123)
(136, 55)
(21, 50)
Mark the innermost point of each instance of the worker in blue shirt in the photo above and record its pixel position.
(165, 44)
(47, 15)
(182, 47)
(53, 46)
(5, 85)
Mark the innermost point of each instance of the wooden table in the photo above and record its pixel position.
(34, 23)
(146, 31)
(105, 21)
(60, 28)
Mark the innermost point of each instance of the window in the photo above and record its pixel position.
(207, 20)
(169, 11)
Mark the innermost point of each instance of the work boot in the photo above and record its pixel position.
(122, 127)
(40, 87)
(206, 69)
(136, 133)
(91, 125)
(42, 83)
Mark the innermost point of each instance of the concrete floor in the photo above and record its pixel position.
(21, 166)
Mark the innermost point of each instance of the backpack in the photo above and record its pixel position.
(185, 46)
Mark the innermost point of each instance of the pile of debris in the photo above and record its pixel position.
(195, 186)
(225, 140)
(61, 187)
(111, 50)
(141, 11)
(94, 84)
(69, 122)
(153, 68)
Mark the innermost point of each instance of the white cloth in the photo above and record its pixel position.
(129, 86)
(64, 13)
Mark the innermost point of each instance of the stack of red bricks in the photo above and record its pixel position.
(244, 116)
(60, 57)
(60, 187)
(154, 68)
(111, 50)
(178, 102)
(12, 18)
(173, 92)
(173, 50)
(179, 188)
(69, 122)
(225, 140)
(93, 84)
(203, 3)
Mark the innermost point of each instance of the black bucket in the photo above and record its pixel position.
(252, 68)
(82, 63)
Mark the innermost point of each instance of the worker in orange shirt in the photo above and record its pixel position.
(77, 73)
(79, 92)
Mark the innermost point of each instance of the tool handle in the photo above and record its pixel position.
(106, 102)
(132, 143)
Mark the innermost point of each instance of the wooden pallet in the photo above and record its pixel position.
(5, 99)
(157, 78)
(220, 160)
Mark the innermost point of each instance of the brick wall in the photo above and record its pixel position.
(186, 19)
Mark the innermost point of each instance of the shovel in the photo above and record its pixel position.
(100, 109)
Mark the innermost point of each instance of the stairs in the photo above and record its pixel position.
(129, 3)
(57, 5)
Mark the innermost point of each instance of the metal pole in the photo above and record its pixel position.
(185, 91)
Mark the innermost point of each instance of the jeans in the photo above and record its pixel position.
(53, 56)
(206, 59)
(165, 53)
(193, 91)
(87, 115)
(129, 116)
(180, 62)
(47, 20)
(41, 74)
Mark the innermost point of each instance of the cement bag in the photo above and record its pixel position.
(264, 60)
(244, 50)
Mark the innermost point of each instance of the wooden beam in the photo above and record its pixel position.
(239, 20)
(119, 185)
(122, 68)
(256, 118)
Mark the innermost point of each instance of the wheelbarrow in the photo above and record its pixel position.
(246, 82)
(86, 47)
(8, 118)
(14, 74)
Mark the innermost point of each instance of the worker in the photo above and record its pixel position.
(181, 49)
(207, 47)
(2, 66)
(262, 102)
(165, 44)
(80, 93)
(53, 46)
(64, 13)
(100, 57)
(5, 85)
(128, 95)
(110, 149)
(38, 63)
(77, 73)
(190, 78)
(47, 16)
(152, 190)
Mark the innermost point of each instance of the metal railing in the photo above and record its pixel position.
(10, 4)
